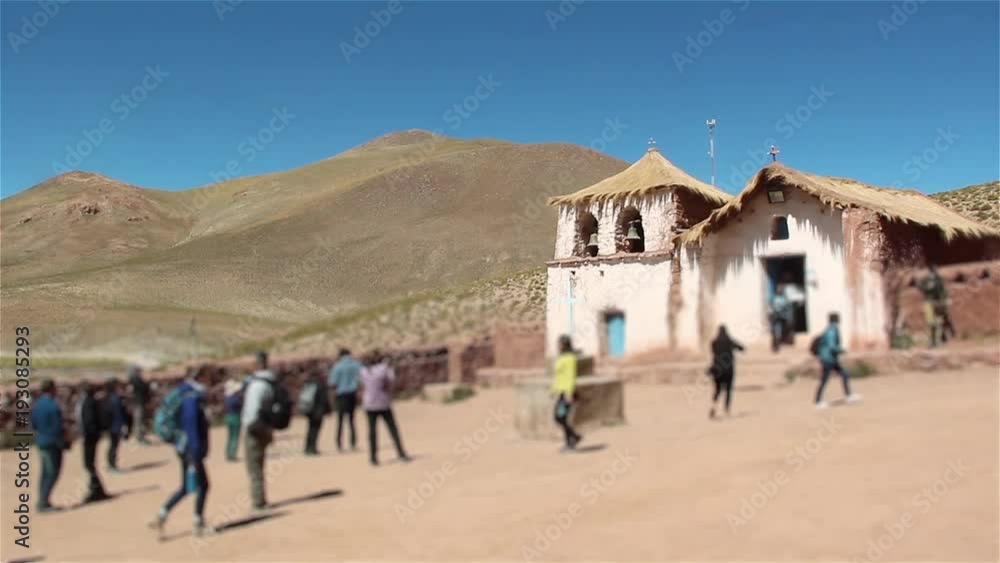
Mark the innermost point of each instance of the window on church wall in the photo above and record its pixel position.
(629, 235)
(586, 234)
(779, 228)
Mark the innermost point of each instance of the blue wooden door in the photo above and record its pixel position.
(616, 335)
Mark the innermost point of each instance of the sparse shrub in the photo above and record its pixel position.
(460, 394)
(861, 370)
(791, 375)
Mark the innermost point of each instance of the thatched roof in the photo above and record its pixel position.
(906, 206)
(649, 173)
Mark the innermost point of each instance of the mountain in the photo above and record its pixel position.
(99, 267)
(980, 202)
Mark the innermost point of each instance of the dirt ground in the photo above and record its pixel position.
(913, 470)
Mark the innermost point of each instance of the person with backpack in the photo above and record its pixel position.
(50, 439)
(233, 403)
(188, 433)
(266, 407)
(140, 395)
(723, 367)
(343, 379)
(827, 348)
(89, 418)
(117, 420)
(564, 388)
(377, 379)
(314, 404)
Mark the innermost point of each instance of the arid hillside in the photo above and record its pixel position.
(980, 202)
(100, 268)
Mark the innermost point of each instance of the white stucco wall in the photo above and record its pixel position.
(656, 209)
(738, 282)
(638, 289)
(693, 291)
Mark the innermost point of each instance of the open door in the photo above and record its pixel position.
(789, 271)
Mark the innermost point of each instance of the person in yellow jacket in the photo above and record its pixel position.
(564, 387)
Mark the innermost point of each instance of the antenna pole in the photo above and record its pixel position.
(711, 145)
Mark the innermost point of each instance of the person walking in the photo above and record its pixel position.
(377, 379)
(140, 395)
(192, 449)
(564, 388)
(343, 380)
(314, 405)
(118, 419)
(89, 418)
(50, 439)
(232, 402)
(828, 350)
(935, 306)
(723, 367)
(259, 434)
(782, 315)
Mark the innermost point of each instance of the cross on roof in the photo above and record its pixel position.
(774, 153)
(652, 143)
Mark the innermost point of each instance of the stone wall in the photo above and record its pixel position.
(414, 368)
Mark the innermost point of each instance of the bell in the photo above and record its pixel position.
(592, 245)
(633, 234)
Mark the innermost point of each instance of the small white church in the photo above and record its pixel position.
(653, 260)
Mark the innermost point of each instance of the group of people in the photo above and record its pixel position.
(826, 347)
(250, 408)
(99, 411)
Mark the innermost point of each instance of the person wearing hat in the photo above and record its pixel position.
(233, 403)
(258, 434)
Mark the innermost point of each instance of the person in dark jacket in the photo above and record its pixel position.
(723, 367)
(89, 416)
(233, 403)
(192, 449)
(118, 419)
(47, 421)
(320, 408)
(140, 394)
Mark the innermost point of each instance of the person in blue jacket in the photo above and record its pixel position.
(118, 419)
(192, 449)
(47, 421)
(829, 358)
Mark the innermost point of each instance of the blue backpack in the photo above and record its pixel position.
(165, 423)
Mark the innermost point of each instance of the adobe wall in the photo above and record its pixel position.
(414, 367)
(974, 289)
(519, 345)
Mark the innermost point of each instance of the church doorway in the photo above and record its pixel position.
(790, 273)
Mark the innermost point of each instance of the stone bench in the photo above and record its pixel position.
(600, 402)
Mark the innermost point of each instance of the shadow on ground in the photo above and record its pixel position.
(328, 493)
(144, 466)
(113, 496)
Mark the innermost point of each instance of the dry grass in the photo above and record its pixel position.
(906, 206)
(980, 202)
(651, 172)
(397, 219)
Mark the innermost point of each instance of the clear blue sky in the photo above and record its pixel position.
(892, 89)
